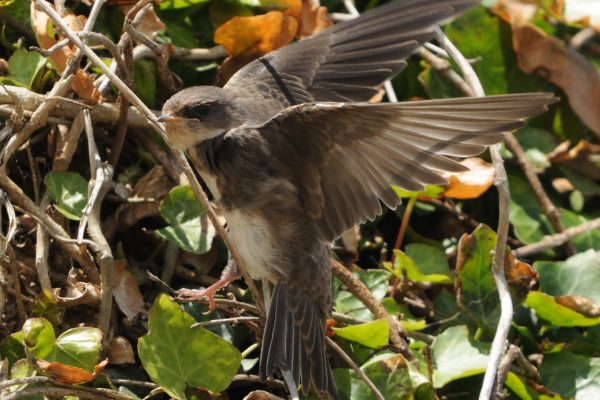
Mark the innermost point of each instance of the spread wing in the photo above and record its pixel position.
(349, 60)
(344, 157)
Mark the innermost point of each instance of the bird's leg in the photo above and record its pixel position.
(230, 273)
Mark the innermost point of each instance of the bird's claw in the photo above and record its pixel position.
(208, 293)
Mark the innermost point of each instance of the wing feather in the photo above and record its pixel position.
(343, 157)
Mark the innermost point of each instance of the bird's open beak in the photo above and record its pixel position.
(168, 118)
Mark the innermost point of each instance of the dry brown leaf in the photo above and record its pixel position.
(154, 185)
(78, 291)
(258, 34)
(43, 27)
(261, 395)
(314, 19)
(580, 304)
(551, 58)
(562, 185)
(520, 275)
(120, 351)
(581, 151)
(68, 374)
(126, 291)
(473, 183)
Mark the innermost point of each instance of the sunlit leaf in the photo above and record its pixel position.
(187, 226)
(373, 334)
(176, 357)
(571, 375)
(456, 356)
(69, 190)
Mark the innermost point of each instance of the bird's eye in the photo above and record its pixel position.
(202, 110)
(196, 111)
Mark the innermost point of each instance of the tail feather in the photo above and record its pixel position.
(294, 340)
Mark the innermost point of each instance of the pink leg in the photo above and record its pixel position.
(230, 273)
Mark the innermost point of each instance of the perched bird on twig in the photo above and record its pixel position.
(294, 155)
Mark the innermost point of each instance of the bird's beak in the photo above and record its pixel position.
(168, 118)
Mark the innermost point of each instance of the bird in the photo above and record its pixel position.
(294, 154)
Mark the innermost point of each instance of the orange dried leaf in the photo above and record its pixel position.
(257, 35)
(68, 374)
(473, 183)
(518, 273)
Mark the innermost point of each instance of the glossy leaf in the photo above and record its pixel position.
(476, 288)
(571, 375)
(176, 356)
(77, 347)
(346, 303)
(456, 356)
(182, 211)
(403, 263)
(373, 334)
(69, 190)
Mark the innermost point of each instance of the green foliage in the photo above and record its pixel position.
(69, 190)
(78, 347)
(372, 334)
(187, 226)
(23, 68)
(177, 357)
(457, 356)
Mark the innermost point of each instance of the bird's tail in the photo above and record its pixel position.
(294, 340)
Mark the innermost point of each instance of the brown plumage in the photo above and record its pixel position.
(295, 156)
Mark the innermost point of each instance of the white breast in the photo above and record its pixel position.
(252, 240)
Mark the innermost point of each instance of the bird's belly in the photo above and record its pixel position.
(252, 239)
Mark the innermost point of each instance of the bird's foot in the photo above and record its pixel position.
(230, 273)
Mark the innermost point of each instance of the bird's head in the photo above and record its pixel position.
(197, 114)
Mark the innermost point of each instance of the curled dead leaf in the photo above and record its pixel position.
(78, 291)
(68, 374)
(470, 184)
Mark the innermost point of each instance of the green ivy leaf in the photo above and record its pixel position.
(477, 289)
(571, 375)
(431, 191)
(78, 347)
(177, 4)
(182, 211)
(176, 356)
(409, 321)
(23, 68)
(69, 192)
(388, 371)
(373, 334)
(422, 263)
(557, 314)
(455, 356)
(346, 303)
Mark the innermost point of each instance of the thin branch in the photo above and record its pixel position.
(233, 321)
(99, 184)
(361, 374)
(361, 292)
(549, 209)
(54, 229)
(501, 183)
(158, 127)
(445, 69)
(557, 239)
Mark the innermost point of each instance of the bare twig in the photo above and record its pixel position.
(444, 68)
(99, 185)
(62, 110)
(557, 239)
(549, 209)
(233, 320)
(501, 183)
(356, 368)
(361, 292)
(157, 126)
